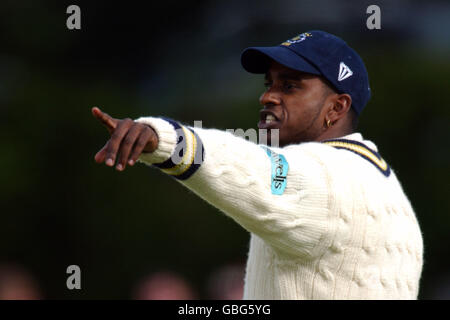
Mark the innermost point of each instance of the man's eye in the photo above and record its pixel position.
(289, 85)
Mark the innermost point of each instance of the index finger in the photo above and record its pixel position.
(104, 118)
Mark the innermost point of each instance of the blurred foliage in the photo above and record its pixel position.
(170, 58)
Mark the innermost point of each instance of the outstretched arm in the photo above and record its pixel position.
(235, 176)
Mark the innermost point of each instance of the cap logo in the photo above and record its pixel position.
(344, 72)
(297, 39)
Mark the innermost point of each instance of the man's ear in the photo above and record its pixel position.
(340, 106)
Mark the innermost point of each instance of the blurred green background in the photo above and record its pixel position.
(182, 60)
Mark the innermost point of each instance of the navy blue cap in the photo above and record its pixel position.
(319, 53)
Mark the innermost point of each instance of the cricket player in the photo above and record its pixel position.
(327, 217)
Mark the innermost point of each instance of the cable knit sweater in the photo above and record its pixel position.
(327, 220)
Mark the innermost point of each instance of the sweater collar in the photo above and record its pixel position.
(356, 136)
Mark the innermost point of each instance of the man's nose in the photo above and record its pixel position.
(270, 97)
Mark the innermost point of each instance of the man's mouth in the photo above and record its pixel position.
(268, 120)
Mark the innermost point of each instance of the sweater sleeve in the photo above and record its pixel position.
(237, 177)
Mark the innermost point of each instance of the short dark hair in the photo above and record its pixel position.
(328, 85)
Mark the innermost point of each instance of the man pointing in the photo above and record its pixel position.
(327, 217)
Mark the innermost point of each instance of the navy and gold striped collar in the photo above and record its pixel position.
(362, 150)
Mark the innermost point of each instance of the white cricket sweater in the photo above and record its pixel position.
(342, 229)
